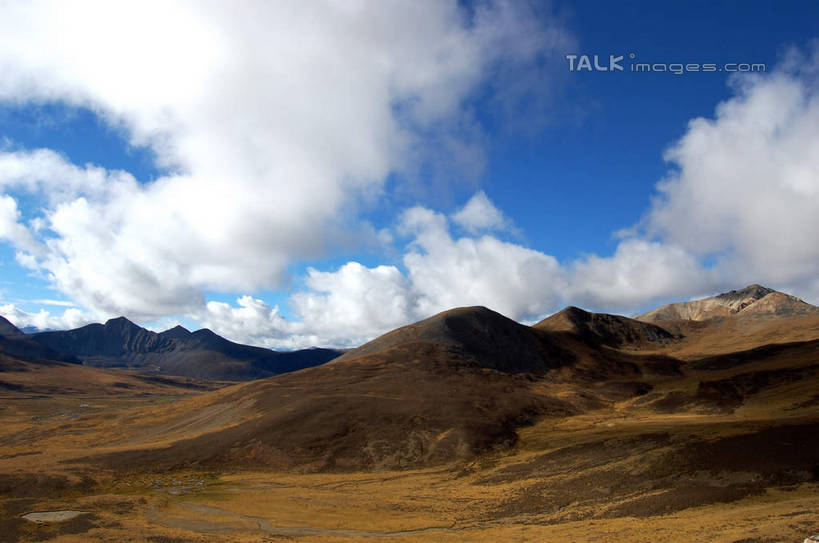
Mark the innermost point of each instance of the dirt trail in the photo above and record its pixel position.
(230, 525)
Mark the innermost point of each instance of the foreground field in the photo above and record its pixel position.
(617, 474)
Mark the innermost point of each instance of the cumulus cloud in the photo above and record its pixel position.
(342, 308)
(355, 303)
(450, 272)
(10, 227)
(745, 186)
(639, 273)
(480, 214)
(253, 321)
(270, 121)
(357, 299)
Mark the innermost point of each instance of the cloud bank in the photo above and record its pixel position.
(272, 121)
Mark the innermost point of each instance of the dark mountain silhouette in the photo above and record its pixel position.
(117, 338)
(23, 348)
(177, 332)
(7, 329)
(15, 343)
(201, 354)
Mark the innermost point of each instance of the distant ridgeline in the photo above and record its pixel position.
(121, 343)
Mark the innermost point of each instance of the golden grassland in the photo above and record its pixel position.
(535, 492)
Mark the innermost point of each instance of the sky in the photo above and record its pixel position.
(295, 174)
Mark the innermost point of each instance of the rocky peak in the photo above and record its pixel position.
(752, 300)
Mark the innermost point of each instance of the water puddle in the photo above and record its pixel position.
(53, 516)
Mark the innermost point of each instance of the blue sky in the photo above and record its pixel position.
(322, 174)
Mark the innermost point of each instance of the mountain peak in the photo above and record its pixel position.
(177, 332)
(604, 329)
(755, 292)
(120, 322)
(474, 336)
(752, 300)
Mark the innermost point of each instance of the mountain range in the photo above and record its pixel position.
(177, 351)
(466, 381)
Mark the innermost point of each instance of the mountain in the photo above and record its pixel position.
(479, 337)
(753, 300)
(15, 343)
(177, 332)
(453, 386)
(8, 329)
(609, 330)
(201, 354)
(118, 340)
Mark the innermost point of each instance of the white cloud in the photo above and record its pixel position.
(272, 119)
(254, 321)
(480, 214)
(447, 272)
(343, 308)
(745, 191)
(638, 273)
(45, 172)
(59, 303)
(10, 227)
(355, 300)
(355, 303)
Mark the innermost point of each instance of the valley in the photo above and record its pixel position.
(466, 426)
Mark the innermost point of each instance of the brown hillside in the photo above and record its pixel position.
(610, 330)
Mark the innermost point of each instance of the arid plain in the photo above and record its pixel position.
(695, 422)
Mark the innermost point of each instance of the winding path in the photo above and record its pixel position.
(212, 526)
